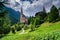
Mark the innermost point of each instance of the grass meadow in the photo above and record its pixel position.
(46, 31)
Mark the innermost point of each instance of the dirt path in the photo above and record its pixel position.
(24, 32)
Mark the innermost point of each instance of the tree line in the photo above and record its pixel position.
(4, 20)
(43, 16)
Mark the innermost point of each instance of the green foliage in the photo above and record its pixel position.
(32, 27)
(38, 20)
(54, 14)
(29, 19)
(4, 23)
(26, 27)
(4, 19)
(18, 27)
(47, 36)
(46, 31)
(13, 29)
(40, 16)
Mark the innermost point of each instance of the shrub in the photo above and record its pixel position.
(13, 29)
(18, 28)
(4, 25)
(32, 27)
(25, 27)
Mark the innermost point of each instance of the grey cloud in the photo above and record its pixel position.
(36, 6)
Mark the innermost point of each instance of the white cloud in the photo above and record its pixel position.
(12, 2)
(26, 4)
(56, 3)
(36, 6)
(17, 1)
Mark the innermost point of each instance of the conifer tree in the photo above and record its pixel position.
(54, 14)
(4, 19)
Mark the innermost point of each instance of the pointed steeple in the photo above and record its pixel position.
(21, 10)
(21, 14)
(44, 9)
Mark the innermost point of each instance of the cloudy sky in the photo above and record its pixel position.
(30, 7)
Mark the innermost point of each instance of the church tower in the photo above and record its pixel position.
(23, 18)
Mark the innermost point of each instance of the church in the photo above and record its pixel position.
(23, 18)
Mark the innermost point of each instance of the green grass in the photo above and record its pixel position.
(44, 32)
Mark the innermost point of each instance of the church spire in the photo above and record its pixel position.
(23, 18)
(44, 9)
(21, 10)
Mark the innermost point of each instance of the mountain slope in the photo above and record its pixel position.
(46, 31)
(13, 15)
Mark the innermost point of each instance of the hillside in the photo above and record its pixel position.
(46, 31)
(13, 15)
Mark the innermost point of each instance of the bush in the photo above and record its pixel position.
(1, 35)
(18, 28)
(13, 29)
(32, 27)
(26, 27)
(4, 25)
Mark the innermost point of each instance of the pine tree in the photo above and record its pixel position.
(4, 19)
(4, 23)
(41, 16)
(29, 20)
(44, 13)
(54, 14)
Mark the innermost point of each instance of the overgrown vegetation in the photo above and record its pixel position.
(46, 31)
(54, 14)
(4, 20)
(42, 16)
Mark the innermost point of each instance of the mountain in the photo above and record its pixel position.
(13, 15)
